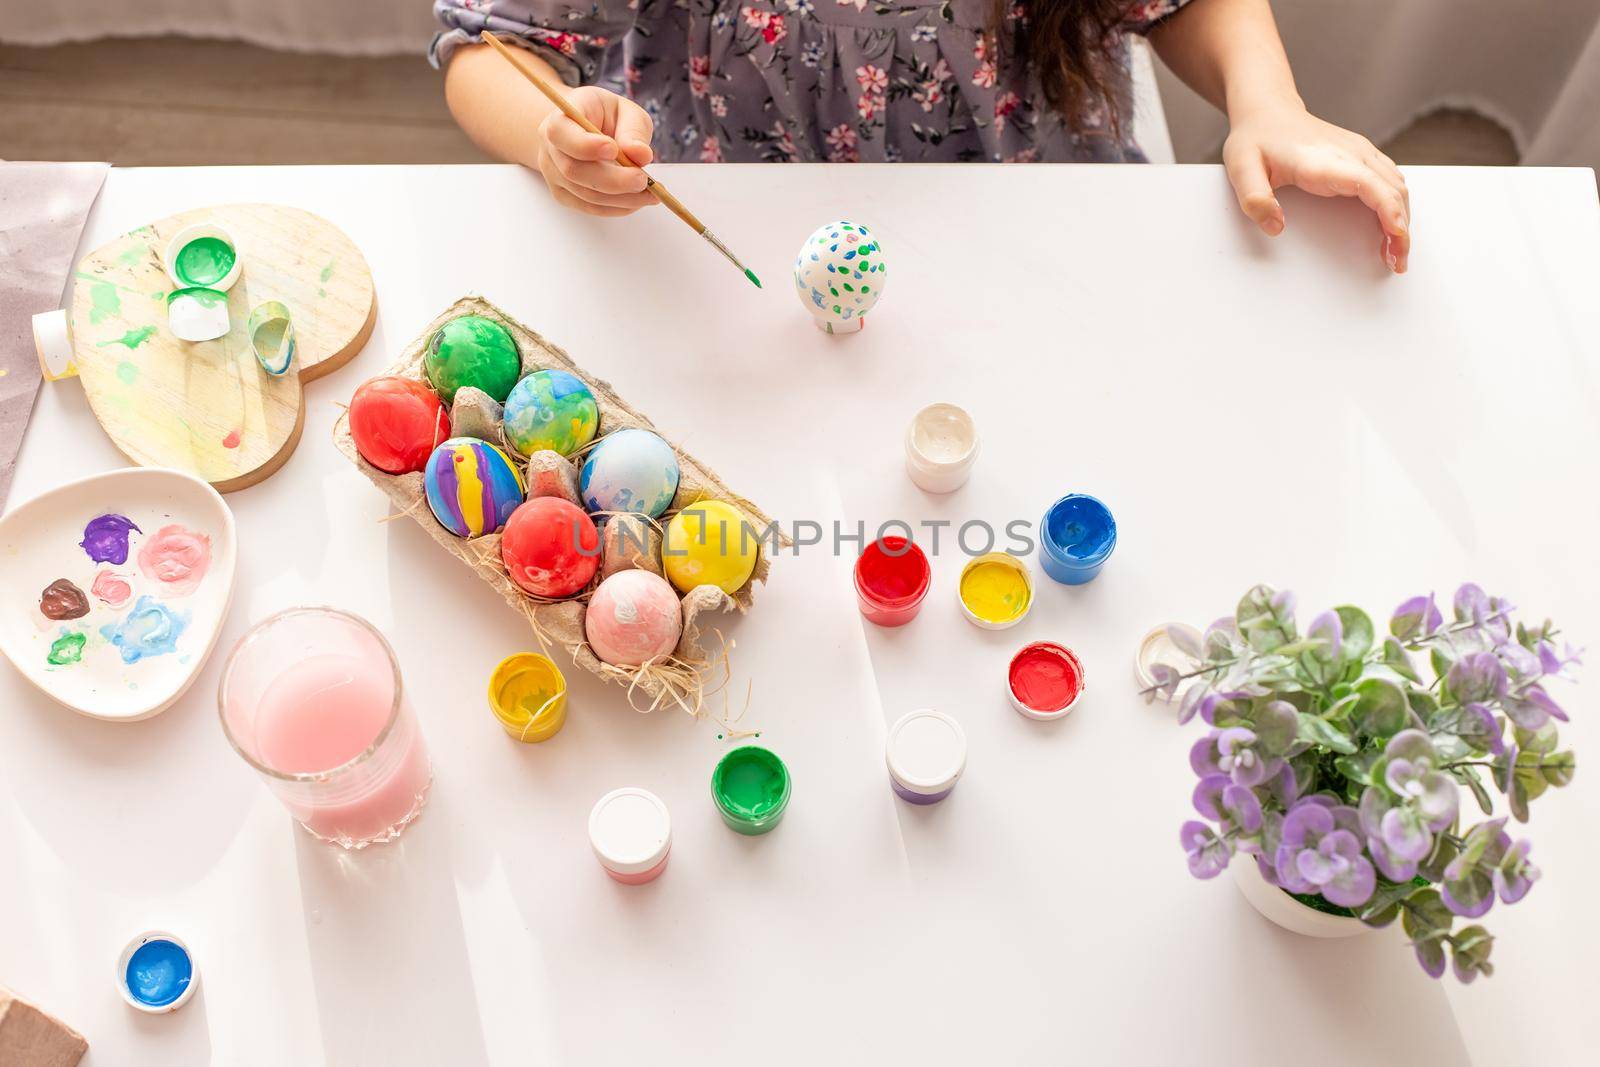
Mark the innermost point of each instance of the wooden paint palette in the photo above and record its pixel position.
(209, 407)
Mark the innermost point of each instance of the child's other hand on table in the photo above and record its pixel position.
(1287, 145)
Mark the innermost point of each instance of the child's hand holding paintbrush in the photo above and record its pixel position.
(590, 144)
(509, 120)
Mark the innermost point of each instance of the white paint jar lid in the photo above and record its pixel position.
(127, 956)
(630, 830)
(1157, 647)
(927, 751)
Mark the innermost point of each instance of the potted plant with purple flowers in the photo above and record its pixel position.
(1339, 771)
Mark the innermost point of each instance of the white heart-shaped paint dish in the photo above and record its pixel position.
(113, 589)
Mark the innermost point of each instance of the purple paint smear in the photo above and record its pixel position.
(106, 538)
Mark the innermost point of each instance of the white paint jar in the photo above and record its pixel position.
(941, 448)
(631, 834)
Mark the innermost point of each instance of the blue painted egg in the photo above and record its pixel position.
(472, 486)
(550, 410)
(630, 470)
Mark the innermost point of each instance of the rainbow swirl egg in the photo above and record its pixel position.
(473, 487)
(550, 410)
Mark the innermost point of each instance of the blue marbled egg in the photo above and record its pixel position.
(630, 470)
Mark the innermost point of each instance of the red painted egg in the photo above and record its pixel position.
(550, 547)
(397, 423)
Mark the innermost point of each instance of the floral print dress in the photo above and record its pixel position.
(836, 81)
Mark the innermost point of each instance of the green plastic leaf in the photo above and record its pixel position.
(1558, 768)
(1265, 620)
(1440, 660)
(1380, 709)
(1325, 734)
(1397, 659)
(1358, 632)
(1357, 768)
(1468, 776)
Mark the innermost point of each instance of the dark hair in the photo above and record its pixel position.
(1066, 45)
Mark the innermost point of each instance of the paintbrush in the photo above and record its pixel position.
(660, 192)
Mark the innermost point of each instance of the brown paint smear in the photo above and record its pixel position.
(63, 600)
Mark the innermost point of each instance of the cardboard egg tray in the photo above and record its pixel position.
(561, 622)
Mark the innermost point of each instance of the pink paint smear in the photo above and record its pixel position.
(176, 557)
(232, 440)
(112, 588)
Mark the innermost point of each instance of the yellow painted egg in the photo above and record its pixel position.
(710, 543)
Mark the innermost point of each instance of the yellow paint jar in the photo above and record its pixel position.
(710, 543)
(528, 696)
(996, 591)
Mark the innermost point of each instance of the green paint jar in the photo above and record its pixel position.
(751, 789)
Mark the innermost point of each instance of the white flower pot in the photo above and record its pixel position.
(1284, 910)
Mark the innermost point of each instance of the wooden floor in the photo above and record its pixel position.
(171, 101)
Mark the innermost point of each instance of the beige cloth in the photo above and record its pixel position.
(43, 208)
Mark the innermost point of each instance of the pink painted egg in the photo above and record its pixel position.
(633, 617)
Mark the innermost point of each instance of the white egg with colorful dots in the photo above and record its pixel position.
(839, 275)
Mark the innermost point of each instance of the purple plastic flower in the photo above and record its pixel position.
(1417, 617)
(1477, 677)
(1319, 855)
(1233, 752)
(1468, 887)
(1533, 707)
(1409, 773)
(1479, 728)
(1515, 875)
(1233, 806)
(1208, 854)
(1471, 604)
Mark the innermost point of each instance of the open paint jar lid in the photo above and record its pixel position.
(1045, 680)
(926, 752)
(156, 974)
(630, 831)
(203, 256)
(996, 591)
(1157, 648)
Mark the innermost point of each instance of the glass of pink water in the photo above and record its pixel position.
(312, 699)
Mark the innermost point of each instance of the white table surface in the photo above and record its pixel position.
(1253, 410)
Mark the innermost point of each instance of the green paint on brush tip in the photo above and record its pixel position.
(748, 273)
(751, 788)
(132, 339)
(67, 649)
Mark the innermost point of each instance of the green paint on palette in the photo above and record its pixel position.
(327, 272)
(67, 649)
(322, 292)
(127, 372)
(133, 254)
(132, 339)
(205, 261)
(104, 303)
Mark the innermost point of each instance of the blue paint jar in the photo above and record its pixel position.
(1076, 537)
(156, 974)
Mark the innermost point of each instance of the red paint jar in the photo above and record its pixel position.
(892, 579)
(1045, 680)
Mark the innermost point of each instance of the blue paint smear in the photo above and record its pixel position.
(149, 629)
(105, 539)
(159, 972)
(1080, 527)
